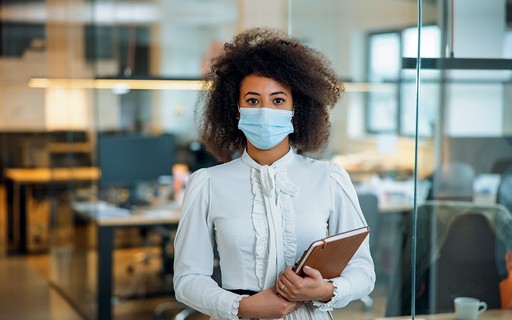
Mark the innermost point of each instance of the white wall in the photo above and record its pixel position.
(479, 32)
(20, 107)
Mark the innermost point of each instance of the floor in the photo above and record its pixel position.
(26, 294)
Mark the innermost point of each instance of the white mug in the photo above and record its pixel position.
(468, 308)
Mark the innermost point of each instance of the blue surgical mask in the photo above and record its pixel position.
(265, 127)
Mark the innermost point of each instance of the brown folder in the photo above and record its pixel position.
(332, 254)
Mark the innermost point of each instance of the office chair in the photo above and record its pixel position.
(162, 309)
(467, 264)
(168, 307)
(370, 208)
(453, 181)
(456, 255)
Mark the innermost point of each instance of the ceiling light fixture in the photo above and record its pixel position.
(114, 83)
(165, 84)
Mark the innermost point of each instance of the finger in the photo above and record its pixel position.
(313, 273)
(287, 290)
(289, 273)
(282, 285)
(278, 285)
(291, 276)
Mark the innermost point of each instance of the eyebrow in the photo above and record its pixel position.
(272, 94)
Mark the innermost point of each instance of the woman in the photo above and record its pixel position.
(269, 100)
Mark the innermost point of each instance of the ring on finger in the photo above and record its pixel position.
(283, 286)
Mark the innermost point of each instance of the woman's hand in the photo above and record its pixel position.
(266, 304)
(296, 288)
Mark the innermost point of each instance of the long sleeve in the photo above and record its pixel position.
(358, 278)
(193, 265)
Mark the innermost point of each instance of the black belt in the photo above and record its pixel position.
(242, 291)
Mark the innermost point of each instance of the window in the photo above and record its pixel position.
(394, 111)
(384, 66)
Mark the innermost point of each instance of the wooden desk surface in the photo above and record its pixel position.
(46, 175)
(495, 314)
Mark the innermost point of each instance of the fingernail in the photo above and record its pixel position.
(307, 267)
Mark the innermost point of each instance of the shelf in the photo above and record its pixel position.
(65, 147)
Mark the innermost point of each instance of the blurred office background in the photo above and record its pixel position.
(97, 103)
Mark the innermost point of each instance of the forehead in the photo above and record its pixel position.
(261, 84)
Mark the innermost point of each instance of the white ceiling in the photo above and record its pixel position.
(197, 12)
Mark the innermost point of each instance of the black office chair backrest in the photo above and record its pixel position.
(457, 254)
(466, 266)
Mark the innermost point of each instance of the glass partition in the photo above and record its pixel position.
(460, 240)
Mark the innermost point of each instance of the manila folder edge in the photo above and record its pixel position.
(332, 254)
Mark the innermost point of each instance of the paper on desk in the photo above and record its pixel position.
(100, 208)
(113, 212)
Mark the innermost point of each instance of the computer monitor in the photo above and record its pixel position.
(128, 160)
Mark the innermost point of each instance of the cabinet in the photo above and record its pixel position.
(39, 170)
(30, 193)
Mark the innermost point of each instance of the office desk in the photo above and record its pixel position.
(47, 175)
(494, 314)
(107, 219)
(19, 181)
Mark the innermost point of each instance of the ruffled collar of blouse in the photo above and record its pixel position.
(283, 161)
(273, 217)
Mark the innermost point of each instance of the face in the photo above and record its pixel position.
(262, 92)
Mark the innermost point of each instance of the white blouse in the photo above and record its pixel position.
(262, 218)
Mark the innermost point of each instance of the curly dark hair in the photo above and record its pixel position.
(270, 53)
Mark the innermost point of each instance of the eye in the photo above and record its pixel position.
(279, 100)
(252, 101)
